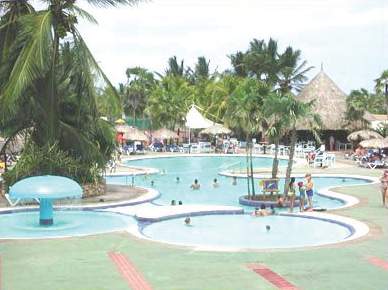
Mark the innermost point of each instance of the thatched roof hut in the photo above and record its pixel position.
(330, 101)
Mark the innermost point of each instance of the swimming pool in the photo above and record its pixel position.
(248, 232)
(205, 169)
(67, 223)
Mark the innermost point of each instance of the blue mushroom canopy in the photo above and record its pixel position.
(45, 187)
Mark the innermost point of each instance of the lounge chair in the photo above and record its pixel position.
(376, 164)
(16, 201)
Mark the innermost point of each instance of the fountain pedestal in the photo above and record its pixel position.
(46, 188)
(45, 212)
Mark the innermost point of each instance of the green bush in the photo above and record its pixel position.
(50, 160)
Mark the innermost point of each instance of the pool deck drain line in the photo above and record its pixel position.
(127, 269)
(272, 277)
(378, 262)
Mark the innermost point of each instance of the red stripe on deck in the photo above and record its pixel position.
(127, 269)
(272, 277)
(378, 262)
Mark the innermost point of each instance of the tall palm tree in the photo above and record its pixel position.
(292, 73)
(382, 87)
(174, 68)
(53, 73)
(244, 114)
(295, 111)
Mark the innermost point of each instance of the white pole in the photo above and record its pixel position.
(189, 139)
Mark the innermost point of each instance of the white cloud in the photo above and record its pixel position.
(349, 36)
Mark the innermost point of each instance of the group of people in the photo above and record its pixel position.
(263, 211)
(363, 155)
(196, 185)
(306, 192)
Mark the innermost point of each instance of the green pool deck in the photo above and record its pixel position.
(83, 263)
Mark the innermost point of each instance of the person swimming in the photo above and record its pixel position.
(195, 185)
(215, 183)
(268, 228)
(177, 180)
(234, 182)
(152, 183)
(180, 203)
(187, 221)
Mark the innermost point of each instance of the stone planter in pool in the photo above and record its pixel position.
(243, 200)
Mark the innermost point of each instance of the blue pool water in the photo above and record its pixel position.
(245, 231)
(205, 169)
(67, 223)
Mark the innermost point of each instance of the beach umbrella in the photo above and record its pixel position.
(120, 122)
(164, 133)
(216, 129)
(375, 143)
(364, 135)
(131, 133)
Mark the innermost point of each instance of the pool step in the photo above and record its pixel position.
(127, 269)
(272, 277)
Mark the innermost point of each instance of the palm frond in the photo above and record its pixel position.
(114, 3)
(83, 14)
(115, 98)
(33, 59)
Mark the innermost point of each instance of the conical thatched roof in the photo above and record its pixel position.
(364, 135)
(164, 133)
(216, 129)
(131, 133)
(330, 101)
(375, 143)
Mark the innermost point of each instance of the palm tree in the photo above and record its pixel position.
(135, 93)
(296, 111)
(359, 102)
(292, 74)
(54, 74)
(202, 70)
(175, 69)
(169, 101)
(244, 114)
(274, 107)
(381, 87)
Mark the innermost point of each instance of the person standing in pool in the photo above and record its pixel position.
(309, 189)
(291, 194)
(302, 195)
(195, 185)
(234, 182)
(384, 186)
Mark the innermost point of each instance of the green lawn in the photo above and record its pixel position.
(83, 264)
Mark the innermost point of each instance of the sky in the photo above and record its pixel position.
(349, 37)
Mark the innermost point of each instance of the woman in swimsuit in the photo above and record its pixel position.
(384, 186)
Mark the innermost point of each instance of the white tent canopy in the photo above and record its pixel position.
(195, 120)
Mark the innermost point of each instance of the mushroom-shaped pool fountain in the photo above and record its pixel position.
(47, 189)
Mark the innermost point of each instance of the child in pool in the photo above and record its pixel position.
(291, 193)
(302, 195)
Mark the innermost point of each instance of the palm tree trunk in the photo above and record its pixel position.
(290, 159)
(247, 155)
(52, 114)
(251, 169)
(275, 163)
